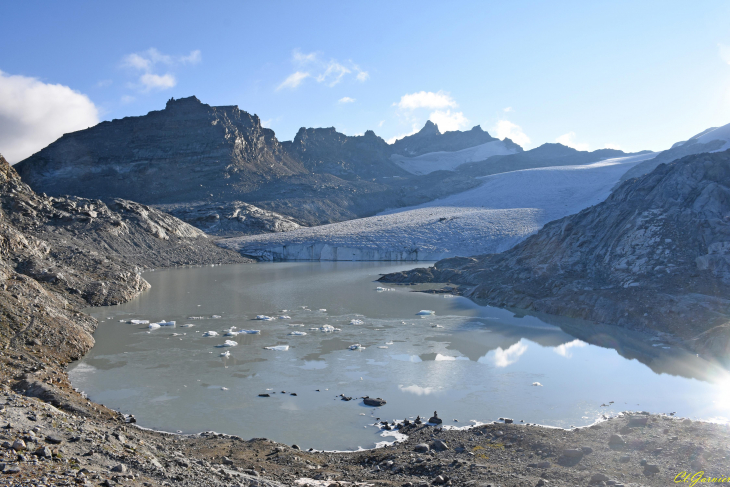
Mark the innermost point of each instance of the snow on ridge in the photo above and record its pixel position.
(493, 217)
(720, 133)
(448, 161)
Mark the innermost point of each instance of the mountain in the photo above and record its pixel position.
(655, 255)
(714, 139)
(430, 139)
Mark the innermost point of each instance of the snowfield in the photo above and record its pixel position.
(448, 161)
(493, 217)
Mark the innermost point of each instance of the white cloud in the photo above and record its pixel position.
(148, 60)
(126, 99)
(418, 390)
(505, 128)
(569, 140)
(293, 80)
(380, 124)
(151, 81)
(503, 358)
(564, 349)
(508, 109)
(346, 99)
(448, 121)
(426, 99)
(724, 52)
(33, 114)
(266, 123)
(330, 72)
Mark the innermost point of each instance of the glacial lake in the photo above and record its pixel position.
(471, 363)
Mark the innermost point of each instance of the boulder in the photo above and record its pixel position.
(377, 402)
(422, 448)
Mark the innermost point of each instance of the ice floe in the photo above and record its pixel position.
(298, 333)
(210, 334)
(426, 312)
(226, 354)
(264, 318)
(278, 348)
(356, 346)
(356, 322)
(153, 326)
(139, 322)
(284, 317)
(228, 343)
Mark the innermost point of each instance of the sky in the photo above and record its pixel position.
(632, 75)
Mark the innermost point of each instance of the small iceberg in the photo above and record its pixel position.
(296, 324)
(298, 333)
(153, 326)
(250, 332)
(389, 343)
(357, 322)
(140, 322)
(227, 343)
(284, 317)
(381, 289)
(166, 323)
(436, 326)
(187, 325)
(215, 317)
(226, 354)
(278, 348)
(537, 384)
(356, 346)
(382, 346)
(426, 312)
(224, 388)
(327, 328)
(210, 334)
(263, 318)
(324, 310)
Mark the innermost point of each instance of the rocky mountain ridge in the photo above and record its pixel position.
(655, 256)
(430, 139)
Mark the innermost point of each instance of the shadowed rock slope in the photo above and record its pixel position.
(655, 255)
(60, 254)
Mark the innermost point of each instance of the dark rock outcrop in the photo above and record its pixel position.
(430, 139)
(654, 256)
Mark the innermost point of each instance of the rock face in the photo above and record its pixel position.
(59, 254)
(430, 139)
(234, 218)
(655, 255)
(325, 150)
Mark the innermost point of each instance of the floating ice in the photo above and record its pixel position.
(537, 384)
(296, 324)
(227, 343)
(166, 323)
(327, 328)
(356, 322)
(250, 332)
(426, 312)
(278, 348)
(436, 326)
(389, 343)
(224, 388)
(139, 322)
(321, 309)
(298, 333)
(284, 317)
(210, 334)
(356, 346)
(153, 326)
(196, 317)
(226, 354)
(215, 317)
(382, 346)
(263, 318)
(187, 325)
(381, 289)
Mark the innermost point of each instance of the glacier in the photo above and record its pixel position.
(448, 161)
(493, 217)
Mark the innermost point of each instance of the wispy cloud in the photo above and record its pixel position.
(564, 349)
(127, 99)
(426, 99)
(508, 109)
(293, 80)
(33, 114)
(506, 129)
(329, 72)
(346, 99)
(146, 63)
(569, 140)
(104, 83)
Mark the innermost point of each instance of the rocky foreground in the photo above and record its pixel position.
(655, 256)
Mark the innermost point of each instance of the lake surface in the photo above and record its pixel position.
(468, 362)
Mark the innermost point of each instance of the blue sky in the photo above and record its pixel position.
(632, 75)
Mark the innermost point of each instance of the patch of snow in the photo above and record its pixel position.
(448, 161)
(719, 133)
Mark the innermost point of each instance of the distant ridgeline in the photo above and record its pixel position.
(204, 164)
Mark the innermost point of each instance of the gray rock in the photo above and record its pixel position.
(120, 468)
(54, 440)
(19, 445)
(651, 469)
(573, 453)
(44, 452)
(11, 469)
(376, 402)
(616, 440)
(227, 461)
(435, 419)
(586, 450)
(599, 477)
(624, 459)
(440, 445)
(422, 448)
(638, 420)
